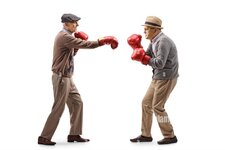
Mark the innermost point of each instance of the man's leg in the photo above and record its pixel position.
(163, 89)
(75, 106)
(147, 111)
(61, 87)
(146, 116)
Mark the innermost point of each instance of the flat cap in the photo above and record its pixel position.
(69, 18)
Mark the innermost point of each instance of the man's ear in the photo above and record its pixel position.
(66, 25)
(156, 30)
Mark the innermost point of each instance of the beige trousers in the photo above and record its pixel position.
(65, 92)
(154, 101)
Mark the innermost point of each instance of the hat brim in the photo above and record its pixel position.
(152, 26)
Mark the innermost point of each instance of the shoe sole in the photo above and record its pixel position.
(167, 143)
(141, 141)
(46, 144)
(70, 141)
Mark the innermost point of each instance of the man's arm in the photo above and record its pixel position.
(77, 43)
(161, 55)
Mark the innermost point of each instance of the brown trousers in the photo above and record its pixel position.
(154, 101)
(65, 92)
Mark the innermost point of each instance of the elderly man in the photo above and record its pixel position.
(161, 55)
(65, 92)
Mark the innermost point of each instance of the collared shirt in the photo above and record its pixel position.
(164, 59)
(155, 40)
(67, 31)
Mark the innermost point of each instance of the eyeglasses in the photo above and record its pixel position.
(76, 23)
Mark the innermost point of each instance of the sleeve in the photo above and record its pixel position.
(72, 42)
(161, 54)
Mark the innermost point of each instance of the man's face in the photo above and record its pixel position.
(72, 26)
(149, 32)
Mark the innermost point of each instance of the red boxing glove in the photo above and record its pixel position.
(81, 35)
(139, 55)
(135, 41)
(108, 40)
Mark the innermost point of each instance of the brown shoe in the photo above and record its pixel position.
(168, 140)
(77, 138)
(45, 141)
(141, 139)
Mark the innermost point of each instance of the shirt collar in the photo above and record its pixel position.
(67, 31)
(157, 37)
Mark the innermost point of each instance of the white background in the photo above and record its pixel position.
(111, 84)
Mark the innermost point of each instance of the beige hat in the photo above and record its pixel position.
(153, 21)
